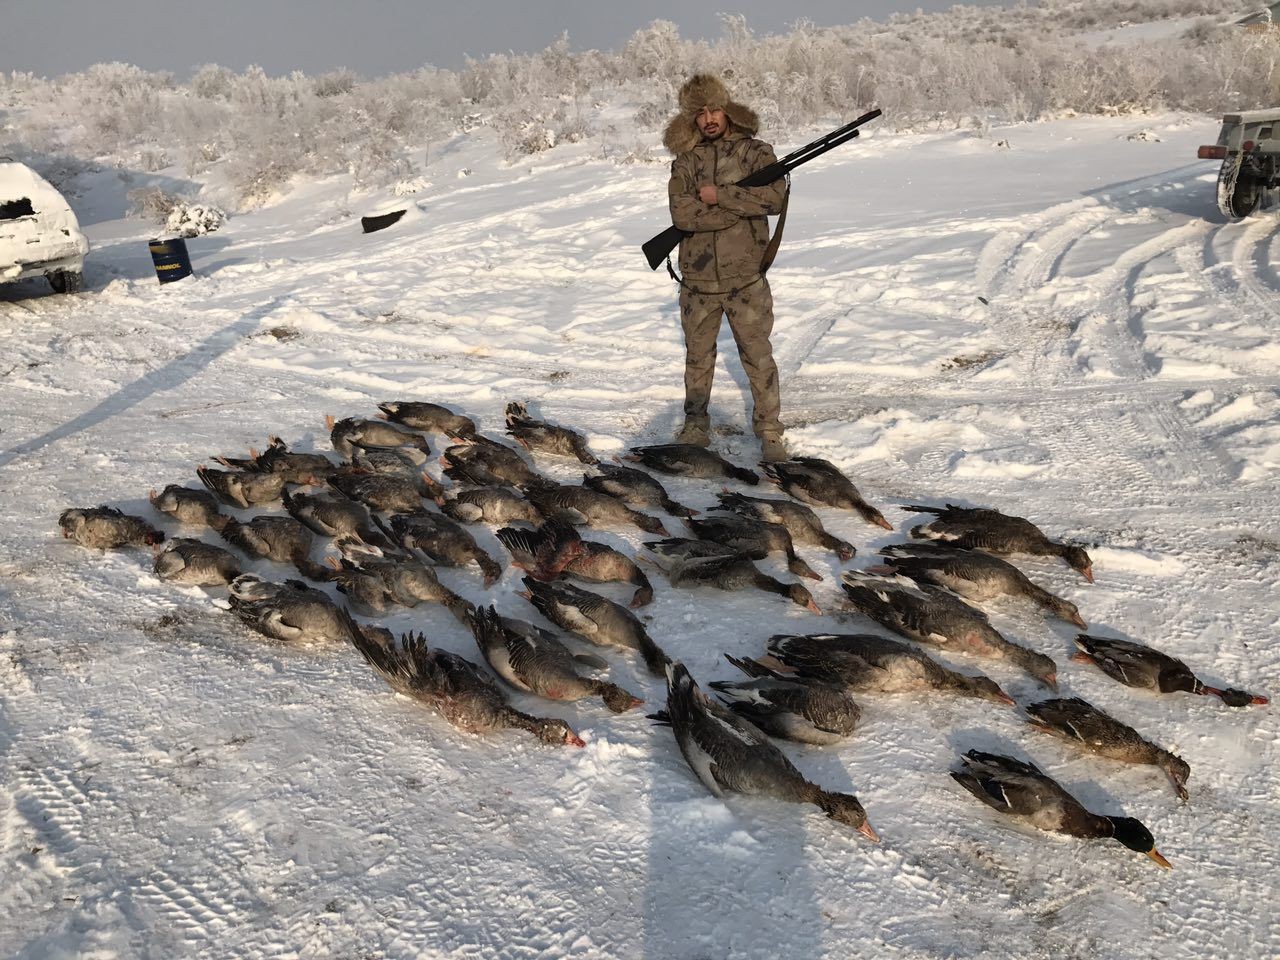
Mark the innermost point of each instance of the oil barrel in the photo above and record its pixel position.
(171, 259)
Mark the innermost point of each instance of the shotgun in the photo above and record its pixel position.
(658, 248)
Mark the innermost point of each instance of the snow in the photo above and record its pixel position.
(177, 786)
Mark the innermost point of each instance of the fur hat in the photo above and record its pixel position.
(704, 90)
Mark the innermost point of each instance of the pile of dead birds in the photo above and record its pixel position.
(390, 523)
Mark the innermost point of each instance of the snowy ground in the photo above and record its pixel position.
(177, 786)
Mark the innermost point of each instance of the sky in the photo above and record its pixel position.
(374, 38)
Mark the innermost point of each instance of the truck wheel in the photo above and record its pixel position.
(66, 281)
(1246, 197)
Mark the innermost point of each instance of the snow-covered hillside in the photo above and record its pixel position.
(1064, 329)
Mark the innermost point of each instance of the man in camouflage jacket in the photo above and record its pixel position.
(713, 139)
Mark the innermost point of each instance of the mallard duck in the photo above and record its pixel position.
(352, 432)
(377, 491)
(289, 611)
(105, 528)
(442, 540)
(278, 458)
(587, 506)
(820, 482)
(730, 755)
(1022, 790)
(194, 563)
(454, 687)
(240, 488)
(599, 563)
(686, 460)
(801, 522)
(334, 517)
(486, 463)
(634, 488)
(596, 619)
(806, 711)
(542, 553)
(974, 575)
(748, 534)
(542, 437)
(733, 571)
(1137, 665)
(187, 506)
(428, 416)
(1084, 724)
(995, 532)
(489, 505)
(540, 664)
(928, 614)
(870, 662)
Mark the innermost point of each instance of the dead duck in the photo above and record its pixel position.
(801, 522)
(819, 482)
(994, 532)
(600, 563)
(420, 415)
(545, 552)
(596, 619)
(486, 463)
(278, 458)
(242, 488)
(1137, 665)
(872, 663)
(390, 494)
(106, 528)
(282, 539)
(443, 541)
(454, 687)
(1085, 725)
(733, 571)
(1023, 790)
(352, 432)
(489, 505)
(586, 506)
(746, 533)
(974, 575)
(634, 488)
(928, 614)
(538, 436)
(730, 755)
(806, 711)
(197, 508)
(334, 517)
(289, 611)
(540, 664)
(194, 563)
(686, 460)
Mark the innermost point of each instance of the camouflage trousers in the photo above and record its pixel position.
(750, 313)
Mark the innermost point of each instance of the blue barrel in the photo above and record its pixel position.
(171, 259)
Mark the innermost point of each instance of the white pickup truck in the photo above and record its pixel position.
(1250, 155)
(39, 235)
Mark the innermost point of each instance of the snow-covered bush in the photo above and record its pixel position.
(194, 219)
(152, 203)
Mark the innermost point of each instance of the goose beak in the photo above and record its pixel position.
(870, 834)
(1081, 658)
(329, 421)
(1050, 680)
(880, 521)
(575, 741)
(1087, 573)
(1155, 855)
(814, 608)
(1007, 700)
(1078, 621)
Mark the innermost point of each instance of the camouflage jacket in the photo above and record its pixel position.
(729, 239)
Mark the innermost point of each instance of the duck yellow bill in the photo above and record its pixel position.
(1155, 855)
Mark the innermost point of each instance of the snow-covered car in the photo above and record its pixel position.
(39, 235)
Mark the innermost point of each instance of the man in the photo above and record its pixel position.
(713, 139)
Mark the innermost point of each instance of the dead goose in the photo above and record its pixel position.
(686, 460)
(995, 532)
(819, 482)
(420, 415)
(194, 563)
(486, 463)
(746, 533)
(587, 506)
(806, 711)
(240, 488)
(733, 571)
(352, 432)
(634, 488)
(541, 665)
(289, 611)
(545, 552)
(334, 517)
(106, 528)
(489, 505)
(801, 522)
(596, 619)
(442, 540)
(282, 539)
(928, 614)
(278, 458)
(377, 491)
(187, 506)
(599, 563)
(403, 462)
(538, 436)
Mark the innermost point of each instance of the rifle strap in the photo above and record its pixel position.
(775, 241)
